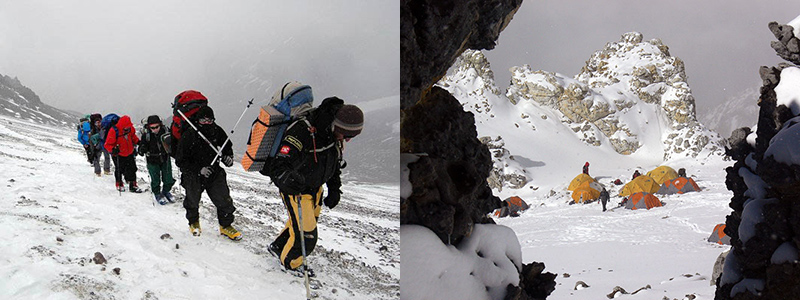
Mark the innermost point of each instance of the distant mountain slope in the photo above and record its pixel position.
(735, 112)
(18, 101)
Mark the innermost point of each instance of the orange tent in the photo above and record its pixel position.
(643, 183)
(642, 200)
(511, 207)
(718, 235)
(678, 185)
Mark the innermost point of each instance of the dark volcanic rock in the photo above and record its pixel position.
(778, 222)
(433, 33)
(99, 258)
(450, 191)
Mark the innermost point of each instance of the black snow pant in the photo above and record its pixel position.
(125, 166)
(216, 187)
(289, 239)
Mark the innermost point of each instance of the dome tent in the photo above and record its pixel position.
(718, 235)
(579, 180)
(511, 207)
(643, 183)
(678, 185)
(642, 200)
(662, 174)
(587, 192)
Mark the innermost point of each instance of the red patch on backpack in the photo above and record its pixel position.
(285, 149)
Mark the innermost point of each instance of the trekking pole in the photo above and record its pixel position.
(234, 128)
(303, 245)
(200, 133)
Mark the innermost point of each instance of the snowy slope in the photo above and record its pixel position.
(57, 214)
(665, 247)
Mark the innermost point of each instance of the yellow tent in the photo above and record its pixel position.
(579, 180)
(587, 191)
(662, 173)
(643, 183)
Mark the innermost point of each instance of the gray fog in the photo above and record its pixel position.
(722, 42)
(134, 57)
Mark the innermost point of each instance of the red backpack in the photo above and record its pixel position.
(188, 102)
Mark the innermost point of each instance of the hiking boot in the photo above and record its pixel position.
(98, 174)
(169, 197)
(134, 188)
(274, 250)
(107, 172)
(194, 228)
(160, 199)
(120, 187)
(299, 271)
(230, 232)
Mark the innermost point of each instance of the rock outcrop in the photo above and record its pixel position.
(449, 192)
(434, 32)
(625, 77)
(765, 223)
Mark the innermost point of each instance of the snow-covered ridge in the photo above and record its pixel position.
(17, 100)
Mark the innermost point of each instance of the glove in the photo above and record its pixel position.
(227, 160)
(206, 172)
(140, 150)
(333, 198)
(291, 182)
(86, 146)
(115, 151)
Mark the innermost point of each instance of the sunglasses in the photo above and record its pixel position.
(206, 121)
(154, 127)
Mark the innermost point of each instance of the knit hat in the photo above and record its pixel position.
(349, 121)
(587, 164)
(154, 119)
(205, 112)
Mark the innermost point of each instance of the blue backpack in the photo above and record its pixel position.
(289, 105)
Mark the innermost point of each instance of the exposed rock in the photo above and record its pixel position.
(434, 32)
(450, 192)
(59, 239)
(617, 289)
(766, 213)
(580, 285)
(99, 258)
(617, 81)
(166, 236)
(718, 267)
(116, 271)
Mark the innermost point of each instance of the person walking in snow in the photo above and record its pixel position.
(604, 198)
(310, 155)
(682, 172)
(635, 174)
(586, 168)
(200, 172)
(84, 130)
(97, 140)
(159, 164)
(121, 141)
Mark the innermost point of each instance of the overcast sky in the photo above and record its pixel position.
(133, 57)
(722, 42)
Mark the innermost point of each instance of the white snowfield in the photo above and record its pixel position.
(55, 214)
(664, 247)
